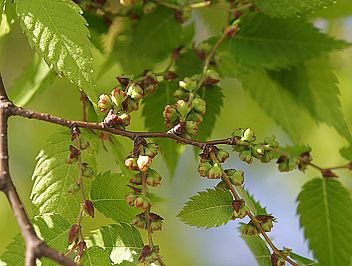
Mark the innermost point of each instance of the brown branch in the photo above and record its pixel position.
(35, 247)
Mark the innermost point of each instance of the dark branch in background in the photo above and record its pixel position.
(35, 247)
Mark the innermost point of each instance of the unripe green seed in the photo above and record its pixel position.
(183, 108)
(131, 198)
(271, 142)
(215, 171)
(104, 103)
(171, 116)
(236, 177)
(149, 7)
(267, 157)
(192, 128)
(194, 116)
(248, 135)
(142, 202)
(188, 84)
(135, 91)
(241, 213)
(140, 222)
(73, 188)
(249, 229)
(87, 171)
(153, 178)
(258, 151)
(117, 97)
(130, 105)
(151, 150)
(204, 168)
(136, 179)
(246, 156)
(199, 105)
(156, 225)
(222, 155)
(180, 94)
(238, 132)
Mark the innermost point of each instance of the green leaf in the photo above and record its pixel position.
(273, 43)
(53, 175)
(286, 8)
(154, 121)
(341, 8)
(94, 256)
(209, 208)
(252, 204)
(314, 87)
(346, 153)
(296, 150)
(325, 210)
(259, 249)
(302, 260)
(188, 64)
(214, 98)
(108, 193)
(122, 241)
(51, 228)
(33, 80)
(149, 41)
(277, 102)
(14, 253)
(59, 34)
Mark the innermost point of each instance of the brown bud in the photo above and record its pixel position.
(73, 233)
(237, 204)
(88, 205)
(146, 250)
(328, 173)
(74, 152)
(81, 247)
(170, 75)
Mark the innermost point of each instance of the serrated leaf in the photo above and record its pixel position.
(122, 241)
(286, 8)
(252, 204)
(188, 64)
(59, 34)
(53, 175)
(50, 227)
(277, 102)
(150, 40)
(214, 98)
(273, 43)
(209, 208)
(153, 107)
(108, 193)
(341, 8)
(94, 256)
(325, 210)
(33, 80)
(259, 249)
(302, 260)
(296, 150)
(314, 87)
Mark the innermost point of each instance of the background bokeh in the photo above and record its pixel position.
(182, 244)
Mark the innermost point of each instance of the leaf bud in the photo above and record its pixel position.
(73, 233)
(204, 168)
(117, 97)
(142, 202)
(131, 198)
(149, 8)
(236, 177)
(246, 156)
(88, 206)
(328, 173)
(131, 163)
(248, 135)
(170, 75)
(135, 91)
(74, 152)
(183, 108)
(104, 103)
(153, 178)
(81, 247)
(151, 150)
(215, 171)
(143, 162)
(170, 114)
(199, 105)
(222, 155)
(192, 128)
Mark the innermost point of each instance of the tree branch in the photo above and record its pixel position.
(35, 247)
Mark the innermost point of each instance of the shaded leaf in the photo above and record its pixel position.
(302, 260)
(53, 176)
(346, 153)
(122, 241)
(108, 193)
(252, 204)
(259, 249)
(272, 43)
(209, 208)
(62, 42)
(94, 256)
(325, 210)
